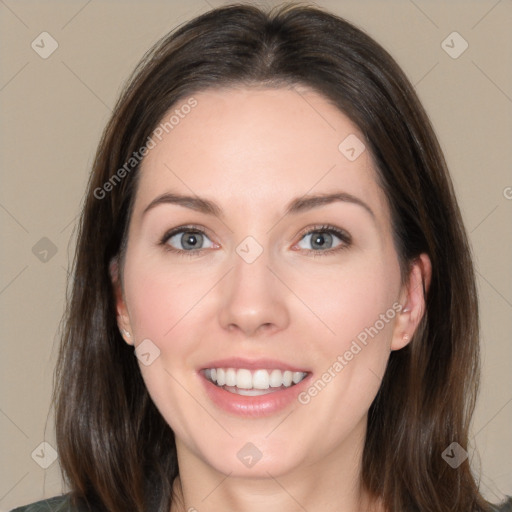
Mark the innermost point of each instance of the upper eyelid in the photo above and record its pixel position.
(188, 227)
(327, 228)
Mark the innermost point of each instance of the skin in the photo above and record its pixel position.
(252, 151)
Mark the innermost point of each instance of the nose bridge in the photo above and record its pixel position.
(253, 297)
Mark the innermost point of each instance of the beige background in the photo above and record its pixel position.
(54, 109)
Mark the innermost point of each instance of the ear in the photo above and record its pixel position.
(123, 318)
(413, 301)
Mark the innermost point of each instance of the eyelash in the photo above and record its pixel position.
(345, 238)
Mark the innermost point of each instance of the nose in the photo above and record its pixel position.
(253, 299)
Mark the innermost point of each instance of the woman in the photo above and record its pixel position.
(273, 302)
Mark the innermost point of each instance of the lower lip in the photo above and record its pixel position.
(253, 406)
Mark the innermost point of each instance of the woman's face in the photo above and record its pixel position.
(260, 245)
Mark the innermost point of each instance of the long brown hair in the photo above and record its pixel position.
(116, 451)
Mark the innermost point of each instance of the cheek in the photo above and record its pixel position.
(359, 305)
(352, 301)
(161, 299)
(165, 307)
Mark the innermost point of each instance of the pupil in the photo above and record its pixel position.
(190, 240)
(320, 240)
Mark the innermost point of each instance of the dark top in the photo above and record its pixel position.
(62, 504)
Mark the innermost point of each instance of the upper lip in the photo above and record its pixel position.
(253, 364)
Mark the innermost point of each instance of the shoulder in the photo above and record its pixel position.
(56, 504)
(63, 504)
(505, 506)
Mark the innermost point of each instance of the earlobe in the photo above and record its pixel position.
(414, 302)
(123, 319)
(126, 334)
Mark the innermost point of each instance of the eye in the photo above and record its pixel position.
(187, 239)
(190, 240)
(324, 239)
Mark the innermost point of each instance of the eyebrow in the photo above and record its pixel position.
(297, 205)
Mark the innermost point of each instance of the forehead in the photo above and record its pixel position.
(263, 144)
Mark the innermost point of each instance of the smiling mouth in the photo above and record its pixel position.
(246, 382)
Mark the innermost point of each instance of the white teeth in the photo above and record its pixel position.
(276, 379)
(253, 380)
(243, 379)
(297, 377)
(230, 377)
(260, 379)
